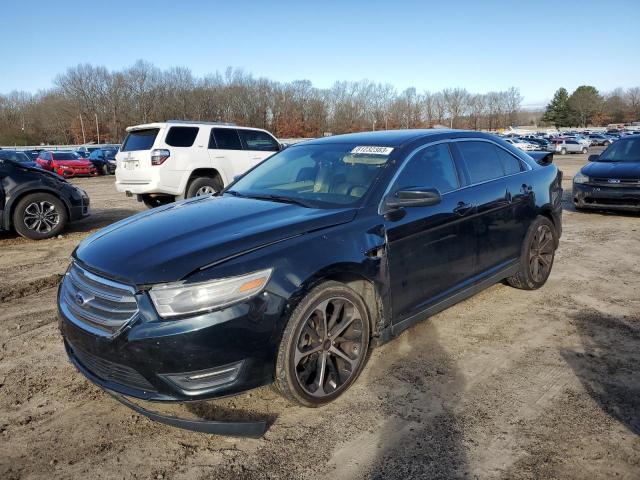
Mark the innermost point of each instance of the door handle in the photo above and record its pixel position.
(463, 209)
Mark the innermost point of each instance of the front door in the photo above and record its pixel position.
(431, 250)
(227, 154)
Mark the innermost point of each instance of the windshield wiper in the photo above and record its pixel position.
(279, 198)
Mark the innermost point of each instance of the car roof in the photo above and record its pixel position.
(396, 138)
(188, 123)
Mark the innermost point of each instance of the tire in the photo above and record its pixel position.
(563, 151)
(201, 186)
(535, 269)
(584, 150)
(40, 215)
(103, 170)
(344, 352)
(155, 201)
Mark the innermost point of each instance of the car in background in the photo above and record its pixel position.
(33, 153)
(566, 145)
(521, 144)
(84, 151)
(540, 143)
(18, 156)
(167, 161)
(104, 159)
(611, 180)
(35, 203)
(66, 164)
(599, 139)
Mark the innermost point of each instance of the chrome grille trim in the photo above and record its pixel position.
(100, 306)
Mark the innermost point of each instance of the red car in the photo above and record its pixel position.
(66, 164)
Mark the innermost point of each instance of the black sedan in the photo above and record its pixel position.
(610, 180)
(295, 271)
(35, 203)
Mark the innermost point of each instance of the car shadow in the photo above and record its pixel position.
(608, 362)
(420, 387)
(100, 219)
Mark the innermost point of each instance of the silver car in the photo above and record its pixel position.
(564, 146)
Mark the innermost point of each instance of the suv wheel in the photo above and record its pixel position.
(39, 215)
(563, 151)
(584, 150)
(203, 186)
(153, 201)
(324, 345)
(536, 259)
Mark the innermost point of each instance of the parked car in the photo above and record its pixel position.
(17, 156)
(564, 146)
(521, 144)
(163, 162)
(599, 139)
(35, 203)
(610, 180)
(104, 159)
(539, 143)
(84, 151)
(66, 164)
(294, 271)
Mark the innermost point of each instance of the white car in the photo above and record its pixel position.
(521, 144)
(167, 161)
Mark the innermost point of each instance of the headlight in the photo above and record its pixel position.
(580, 178)
(63, 167)
(174, 299)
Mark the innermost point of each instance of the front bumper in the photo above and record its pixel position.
(606, 198)
(141, 358)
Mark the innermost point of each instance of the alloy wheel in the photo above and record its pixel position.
(330, 347)
(41, 217)
(541, 253)
(205, 190)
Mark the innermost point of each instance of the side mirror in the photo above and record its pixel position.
(418, 197)
(594, 158)
(282, 146)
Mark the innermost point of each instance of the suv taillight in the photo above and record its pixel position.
(159, 155)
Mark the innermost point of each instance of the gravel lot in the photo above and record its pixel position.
(509, 384)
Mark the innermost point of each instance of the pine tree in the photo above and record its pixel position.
(558, 112)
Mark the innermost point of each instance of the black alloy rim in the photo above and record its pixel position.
(541, 253)
(329, 348)
(41, 217)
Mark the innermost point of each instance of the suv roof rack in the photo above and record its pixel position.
(231, 124)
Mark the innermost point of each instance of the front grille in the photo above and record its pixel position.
(96, 304)
(622, 182)
(110, 371)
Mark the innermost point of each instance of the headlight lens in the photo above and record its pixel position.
(175, 299)
(580, 178)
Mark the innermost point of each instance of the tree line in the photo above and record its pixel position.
(89, 101)
(586, 106)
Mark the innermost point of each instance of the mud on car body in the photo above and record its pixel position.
(295, 270)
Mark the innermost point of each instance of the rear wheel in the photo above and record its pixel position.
(203, 186)
(39, 216)
(153, 201)
(324, 345)
(584, 150)
(563, 151)
(536, 258)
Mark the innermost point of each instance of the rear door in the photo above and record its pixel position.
(258, 144)
(227, 153)
(134, 159)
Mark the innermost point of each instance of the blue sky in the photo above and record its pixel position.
(536, 46)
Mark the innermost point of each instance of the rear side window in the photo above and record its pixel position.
(181, 136)
(481, 161)
(431, 167)
(257, 140)
(226, 139)
(510, 164)
(140, 140)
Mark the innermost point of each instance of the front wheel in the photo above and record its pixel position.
(324, 345)
(584, 150)
(563, 151)
(39, 215)
(536, 258)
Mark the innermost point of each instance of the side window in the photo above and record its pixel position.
(181, 136)
(481, 161)
(510, 164)
(227, 139)
(431, 167)
(94, 155)
(257, 140)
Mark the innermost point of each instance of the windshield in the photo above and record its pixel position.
(321, 176)
(623, 150)
(15, 156)
(65, 156)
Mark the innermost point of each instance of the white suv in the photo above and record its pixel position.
(168, 161)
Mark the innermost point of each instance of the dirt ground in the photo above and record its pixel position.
(509, 384)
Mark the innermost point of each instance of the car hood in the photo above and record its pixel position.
(73, 163)
(620, 170)
(167, 244)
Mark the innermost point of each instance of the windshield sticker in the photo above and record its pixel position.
(371, 150)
